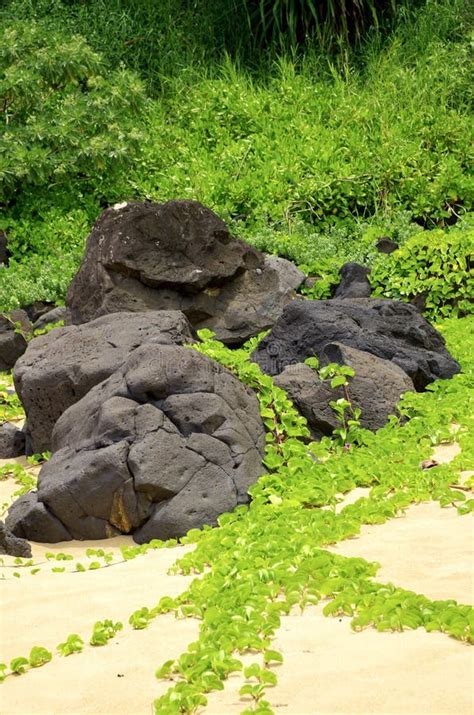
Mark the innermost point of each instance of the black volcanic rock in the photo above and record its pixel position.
(167, 443)
(59, 368)
(179, 256)
(388, 329)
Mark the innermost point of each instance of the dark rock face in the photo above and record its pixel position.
(52, 316)
(253, 301)
(12, 545)
(354, 282)
(376, 388)
(179, 256)
(4, 252)
(59, 368)
(387, 329)
(167, 443)
(12, 441)
(12, 344)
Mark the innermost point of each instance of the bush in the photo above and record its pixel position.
(39, 279)
(66, 118)
(434, 264)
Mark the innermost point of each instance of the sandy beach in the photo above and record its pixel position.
(327, 667)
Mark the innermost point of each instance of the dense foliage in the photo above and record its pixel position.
(308, 157)
(161, 39)
(436, 266)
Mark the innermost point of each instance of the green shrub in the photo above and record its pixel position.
(39, 278)
(435, 264)
(66, 117)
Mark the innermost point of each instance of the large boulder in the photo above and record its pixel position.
(388, 329)
(12, 545)
(376, 388)
(179, 255)
(14, 327)
(59, 368)
(165, 444)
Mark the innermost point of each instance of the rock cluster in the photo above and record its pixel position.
(148, 436)
(167, 443)
(387, 329)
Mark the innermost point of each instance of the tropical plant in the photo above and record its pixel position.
(435, 266)
(65, 115)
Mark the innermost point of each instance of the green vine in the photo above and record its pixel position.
(270, 557)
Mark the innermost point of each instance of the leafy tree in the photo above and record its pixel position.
(64, 116)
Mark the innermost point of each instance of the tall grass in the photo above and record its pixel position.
(164, 39)
(291, 24)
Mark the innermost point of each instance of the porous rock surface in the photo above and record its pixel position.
(376, 388)
(12, 545)
(12, 343)
(59, 368)
(181, 256)
(387, 329)
(165, 444)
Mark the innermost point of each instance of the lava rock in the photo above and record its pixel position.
(252, 302)
(12, 545)
(179, 256)
(29, 518)
(52, 316)
(387, 329)
(59, 368)
(35, 310)
(376, 388)
(165, 444)
(386, 245)
(13, 343)
(12, 441)
(354, 282)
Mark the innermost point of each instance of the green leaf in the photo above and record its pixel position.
(39, 656)
(272, 656)
(19, 665)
